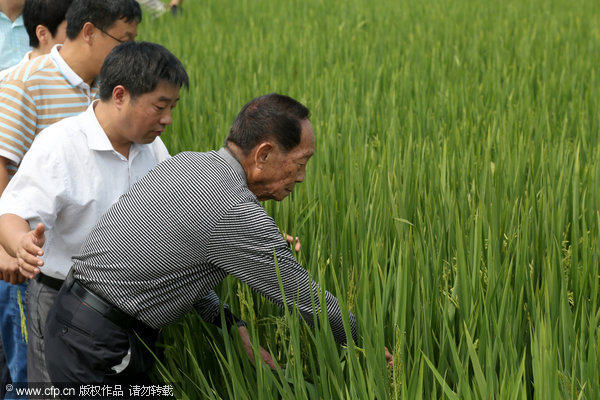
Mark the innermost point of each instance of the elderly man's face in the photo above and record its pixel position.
(284, 170)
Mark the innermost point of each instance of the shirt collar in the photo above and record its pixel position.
(96, 137)
(231, 160)
(71, 76)
(16, 22)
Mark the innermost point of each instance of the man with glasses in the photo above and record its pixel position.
(44, 91)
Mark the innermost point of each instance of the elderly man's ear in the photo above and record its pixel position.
(263, 154)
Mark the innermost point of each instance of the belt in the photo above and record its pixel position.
(98, 304)
(49, 281)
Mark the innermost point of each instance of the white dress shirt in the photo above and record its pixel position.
(67, 180)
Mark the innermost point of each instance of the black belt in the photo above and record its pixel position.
(49, 281)
(100, 305)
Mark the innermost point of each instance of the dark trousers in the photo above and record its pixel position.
(39, 299)
(82, 346)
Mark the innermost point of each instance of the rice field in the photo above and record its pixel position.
(452, 203)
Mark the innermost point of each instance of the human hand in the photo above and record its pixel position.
(30, 251)
(264, 354)
(293, 240)
(9, 269)
(389, 357)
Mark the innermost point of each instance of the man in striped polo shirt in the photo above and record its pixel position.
(179, 231)
(40, 93)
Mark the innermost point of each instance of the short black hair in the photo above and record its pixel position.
(272, 116)
(49, 13)
(102, 13)
(139, 67)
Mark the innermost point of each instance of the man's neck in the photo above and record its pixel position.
(37, 52)
(43, 48)
(247, 165)
(12, 8)
(111, 126)
(77, 59)
(236, 152)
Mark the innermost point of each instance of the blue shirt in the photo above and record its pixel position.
(14, 41)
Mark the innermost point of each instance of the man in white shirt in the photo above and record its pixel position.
(76, 168)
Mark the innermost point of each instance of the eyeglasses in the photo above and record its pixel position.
(111, 36)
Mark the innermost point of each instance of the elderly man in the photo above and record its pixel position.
(191, 221)
(77, 168)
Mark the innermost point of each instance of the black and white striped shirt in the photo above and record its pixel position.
(179, 231)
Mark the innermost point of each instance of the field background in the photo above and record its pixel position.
(452, 203)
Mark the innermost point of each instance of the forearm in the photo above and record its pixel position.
(305, 295)
(12, 228)
(248, 245)
(335, 320)
(209, 309)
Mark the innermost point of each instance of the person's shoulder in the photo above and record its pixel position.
(190, 162)
(67, 130)
(192, 156)
(156, 151)
(53, 144)
(6, 72)
(27, 71)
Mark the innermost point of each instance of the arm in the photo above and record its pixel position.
(23, 243)
(9, 270)
(17, 129)
(293, 241)
(33, 195)
(245, 243)
(18, 120)
(389, 357)
(209, 308)
(264, 354)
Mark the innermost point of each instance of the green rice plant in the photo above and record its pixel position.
(452, 203)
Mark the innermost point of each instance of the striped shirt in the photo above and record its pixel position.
(34, 96)
(179, 231)
(7, 71)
